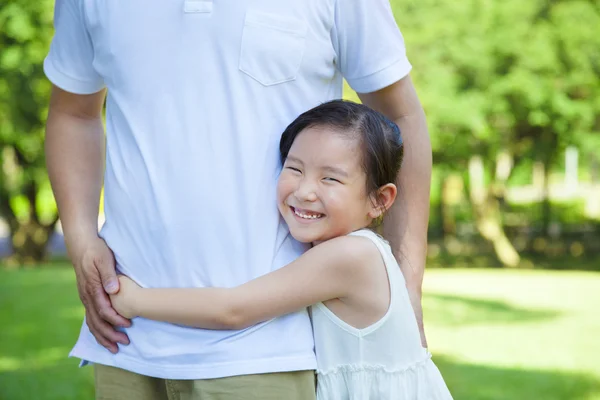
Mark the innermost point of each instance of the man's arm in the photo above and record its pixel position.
(75, 148)
(405, 225)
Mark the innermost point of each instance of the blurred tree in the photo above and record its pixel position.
(511, 77)
(25, 197)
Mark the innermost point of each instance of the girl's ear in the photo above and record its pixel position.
(383, 200)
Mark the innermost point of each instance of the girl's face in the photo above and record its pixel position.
(321, 192)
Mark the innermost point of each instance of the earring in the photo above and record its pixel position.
(379, 220)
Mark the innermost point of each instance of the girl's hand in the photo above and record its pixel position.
(124, 300)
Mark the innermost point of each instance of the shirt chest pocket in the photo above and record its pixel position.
(272, 47)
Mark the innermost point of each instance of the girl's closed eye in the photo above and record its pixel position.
(294, 169)
(330, 179)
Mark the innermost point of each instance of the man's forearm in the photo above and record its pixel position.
(405, 225)
(75, 161)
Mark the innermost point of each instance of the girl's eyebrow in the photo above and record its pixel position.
(336, 171)
(294, 159)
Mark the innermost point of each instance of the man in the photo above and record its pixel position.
(199, 92)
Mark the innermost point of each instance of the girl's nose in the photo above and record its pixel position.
(306, 191)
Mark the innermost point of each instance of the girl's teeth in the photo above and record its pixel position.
(306, 216)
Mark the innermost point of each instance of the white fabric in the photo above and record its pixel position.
(383, 361)
(198, 96)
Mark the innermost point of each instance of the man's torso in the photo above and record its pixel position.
(198, 95)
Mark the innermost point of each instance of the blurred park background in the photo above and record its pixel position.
(512, 93)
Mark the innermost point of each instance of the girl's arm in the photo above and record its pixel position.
(332, 269)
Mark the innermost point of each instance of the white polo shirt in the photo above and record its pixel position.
(199, 93)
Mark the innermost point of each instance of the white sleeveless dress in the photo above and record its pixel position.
(384, 361)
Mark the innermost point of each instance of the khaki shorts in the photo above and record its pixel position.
(118, 384)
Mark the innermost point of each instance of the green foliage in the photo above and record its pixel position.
(493, 75)
(24, 41)
(24, 189)
(521, 76)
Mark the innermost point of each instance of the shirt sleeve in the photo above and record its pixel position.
(69, 63)
(370, 48)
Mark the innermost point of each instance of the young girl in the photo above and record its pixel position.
(340, 161)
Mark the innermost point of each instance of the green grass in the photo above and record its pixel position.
(40, 316)
(495, 334)
(501, 334)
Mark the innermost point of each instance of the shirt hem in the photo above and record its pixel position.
(207, 371)
(68, 83)
(382, 78)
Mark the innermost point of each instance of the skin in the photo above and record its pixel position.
(322, 178)
(405, 225)
(75, 149)
(322, 197)
(75, 153)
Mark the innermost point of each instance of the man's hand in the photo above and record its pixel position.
(125, 299)
(96, 278)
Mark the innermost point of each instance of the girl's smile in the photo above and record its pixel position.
(306, 216)
(322, 187)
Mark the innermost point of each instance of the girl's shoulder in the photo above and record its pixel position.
(359, 245)
(368, 233)
(366, 274)
(376, 239)
(357, 250)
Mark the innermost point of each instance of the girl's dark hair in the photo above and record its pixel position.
(379, 138)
